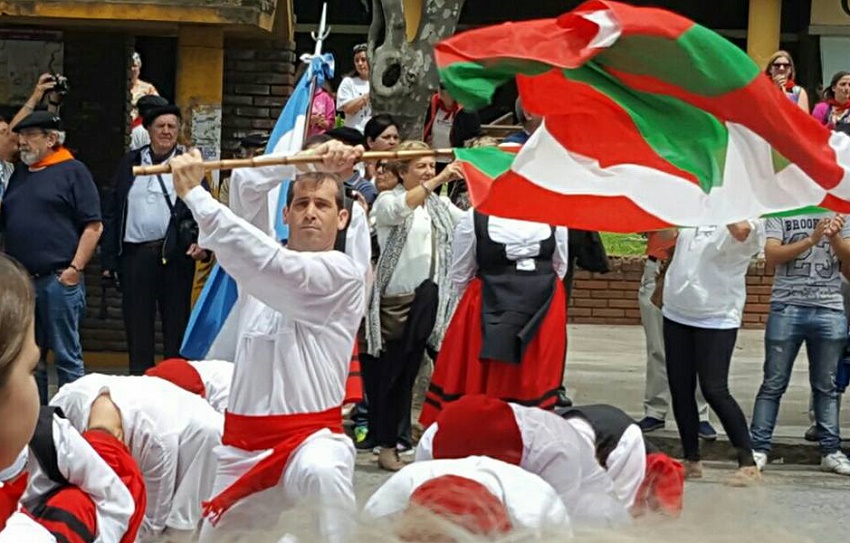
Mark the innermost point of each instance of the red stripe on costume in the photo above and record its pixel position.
(354, 382)
(118, 457)
(10, 495)
(281, 433)
(70, 515)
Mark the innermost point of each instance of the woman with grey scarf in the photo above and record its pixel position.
(412, 298)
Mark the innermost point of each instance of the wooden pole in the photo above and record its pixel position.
(266, 160)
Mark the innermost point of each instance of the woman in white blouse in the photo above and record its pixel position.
(412, 297)
(507, 338)
(703, 302)
(352, 97)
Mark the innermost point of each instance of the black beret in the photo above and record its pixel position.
(40, 119)
(149, 102)
(254, 141)
(347, 135)
(152, 114)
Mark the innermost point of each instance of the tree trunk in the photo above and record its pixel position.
(403, 74)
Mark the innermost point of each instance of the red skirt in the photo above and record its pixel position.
(458, 370)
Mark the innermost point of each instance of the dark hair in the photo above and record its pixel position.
(316, 139)
(828, 93)
(3, 119)
(376, 126)
(318, 177)
(17, 311)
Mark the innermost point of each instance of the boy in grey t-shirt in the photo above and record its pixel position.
(806, 305)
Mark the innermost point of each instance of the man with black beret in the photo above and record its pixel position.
(150, 243)
(139, 136)
(52, 223)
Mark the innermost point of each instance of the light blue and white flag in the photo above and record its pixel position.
(212, 330)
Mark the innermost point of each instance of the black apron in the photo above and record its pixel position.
(513, 302)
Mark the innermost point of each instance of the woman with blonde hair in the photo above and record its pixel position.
(412, 298)
(780, 69)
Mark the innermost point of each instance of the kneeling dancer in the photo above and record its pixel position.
(536, 440)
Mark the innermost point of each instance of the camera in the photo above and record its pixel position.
(61, 87)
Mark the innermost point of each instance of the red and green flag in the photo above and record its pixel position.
(650, 120)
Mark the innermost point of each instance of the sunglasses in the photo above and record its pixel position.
(781, 65)
(381, 166)
(361, 47)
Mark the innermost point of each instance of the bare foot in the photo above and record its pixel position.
(693, 470)
(744, 477)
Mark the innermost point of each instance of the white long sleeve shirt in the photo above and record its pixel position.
(533, 505)
(705, 285)
(554, 450)
(299, 311)
(216, 376)
(414, 266)
(160, 420)
(522, 241)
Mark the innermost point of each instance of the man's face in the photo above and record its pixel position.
(163, 132)
(35, 144)
(313, 216)
(8, 143)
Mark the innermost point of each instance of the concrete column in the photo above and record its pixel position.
(763, 29)
(200, 81)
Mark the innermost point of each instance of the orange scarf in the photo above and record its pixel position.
(61, 155)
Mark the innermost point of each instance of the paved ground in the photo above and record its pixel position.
(794, 504)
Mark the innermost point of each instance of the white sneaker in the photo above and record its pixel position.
(761, 459)
(836, 463)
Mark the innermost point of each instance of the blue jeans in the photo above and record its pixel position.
(825, 333)
(58, 311)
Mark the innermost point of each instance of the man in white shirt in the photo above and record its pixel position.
(529, 503)
(301, 306)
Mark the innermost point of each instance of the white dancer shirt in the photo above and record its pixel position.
(216, 376)
(557, 452)
(170, 432)
(533, 505)
(522, 241)
(299, 315)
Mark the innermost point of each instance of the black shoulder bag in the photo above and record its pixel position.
(182, 232)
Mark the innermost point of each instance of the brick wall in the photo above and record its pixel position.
(258, 78)
(611, 298)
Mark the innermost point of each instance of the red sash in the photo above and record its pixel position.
(281, 433)
(10, 495)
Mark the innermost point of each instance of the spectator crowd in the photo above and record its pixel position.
(485, 298)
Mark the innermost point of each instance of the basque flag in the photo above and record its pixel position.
(212, 330)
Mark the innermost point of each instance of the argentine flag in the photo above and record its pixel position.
(212, 331)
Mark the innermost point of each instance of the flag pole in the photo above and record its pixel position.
(319, 37)
(267, 160)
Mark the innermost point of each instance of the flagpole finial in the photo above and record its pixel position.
(324, 30)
